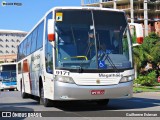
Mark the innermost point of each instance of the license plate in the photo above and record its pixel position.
(11, 87)
(97, 92)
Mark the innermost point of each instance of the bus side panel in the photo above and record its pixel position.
(38, 73)
(19, 75)
(26, 76)
(49, 86)
(36, 69)
(48, 82)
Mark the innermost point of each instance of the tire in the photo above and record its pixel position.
(11, 89)
(102, 102)
(2, 90)
(44, 101)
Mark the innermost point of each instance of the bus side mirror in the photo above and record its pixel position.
(137, 32)
(51, 34)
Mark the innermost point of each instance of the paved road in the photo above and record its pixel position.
(12, 101)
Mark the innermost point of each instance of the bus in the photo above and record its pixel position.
(77, 53)
(8, 80)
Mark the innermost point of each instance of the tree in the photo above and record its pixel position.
(148, 51)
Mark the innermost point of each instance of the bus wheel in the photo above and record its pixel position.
(11, 90)
(44, 101)
(102, 102)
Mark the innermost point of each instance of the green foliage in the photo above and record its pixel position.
(134, 39)
(1, 62)
(148, 51)
(153, 35)
(145, 89)
(147, 80)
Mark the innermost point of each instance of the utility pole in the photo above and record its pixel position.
(145, 18)
(132, 16)
(132, 11)
(82, 3)
(114, 4)
(100, 4)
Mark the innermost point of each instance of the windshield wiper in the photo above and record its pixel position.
(106, 55)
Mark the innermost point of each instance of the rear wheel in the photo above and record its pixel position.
(102, 102)
(44, 101)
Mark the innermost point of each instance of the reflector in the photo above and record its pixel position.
(140, 40)
(51, 37)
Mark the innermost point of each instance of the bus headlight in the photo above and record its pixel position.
(127, 78)
(64, 79)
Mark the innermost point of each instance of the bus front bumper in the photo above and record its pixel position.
(65, 91)
(8, 87)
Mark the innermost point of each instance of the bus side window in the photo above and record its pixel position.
(48, 49)
(20, 48)
(49, 57)
(40, 35)
(34, 39)
(19, 68)
(29, 44)
(25, 47)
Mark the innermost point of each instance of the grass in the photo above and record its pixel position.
(146, 89)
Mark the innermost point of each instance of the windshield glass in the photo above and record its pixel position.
(8, 76)
(86, 39)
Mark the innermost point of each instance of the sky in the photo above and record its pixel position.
(24, 17)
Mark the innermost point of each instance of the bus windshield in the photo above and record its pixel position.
(92, 39)
(8, 76)
(8, 72)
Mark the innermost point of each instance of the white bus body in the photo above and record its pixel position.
(63, 57)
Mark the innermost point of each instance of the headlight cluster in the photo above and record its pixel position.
(127, 78)
(64, 79)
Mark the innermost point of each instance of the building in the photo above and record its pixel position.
(9, 40)
(146, 12)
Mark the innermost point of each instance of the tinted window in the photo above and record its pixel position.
(25, 47)
(21, 50)
(40, 35)
(34, 37)
(29, 44)
(48, 50)
(19, 53)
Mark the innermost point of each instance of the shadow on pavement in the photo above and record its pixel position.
(117, 104)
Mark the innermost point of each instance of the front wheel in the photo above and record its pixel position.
(2, 90)
(44, 101)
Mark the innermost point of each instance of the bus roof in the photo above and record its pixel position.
(89, 8)
(1, 64)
